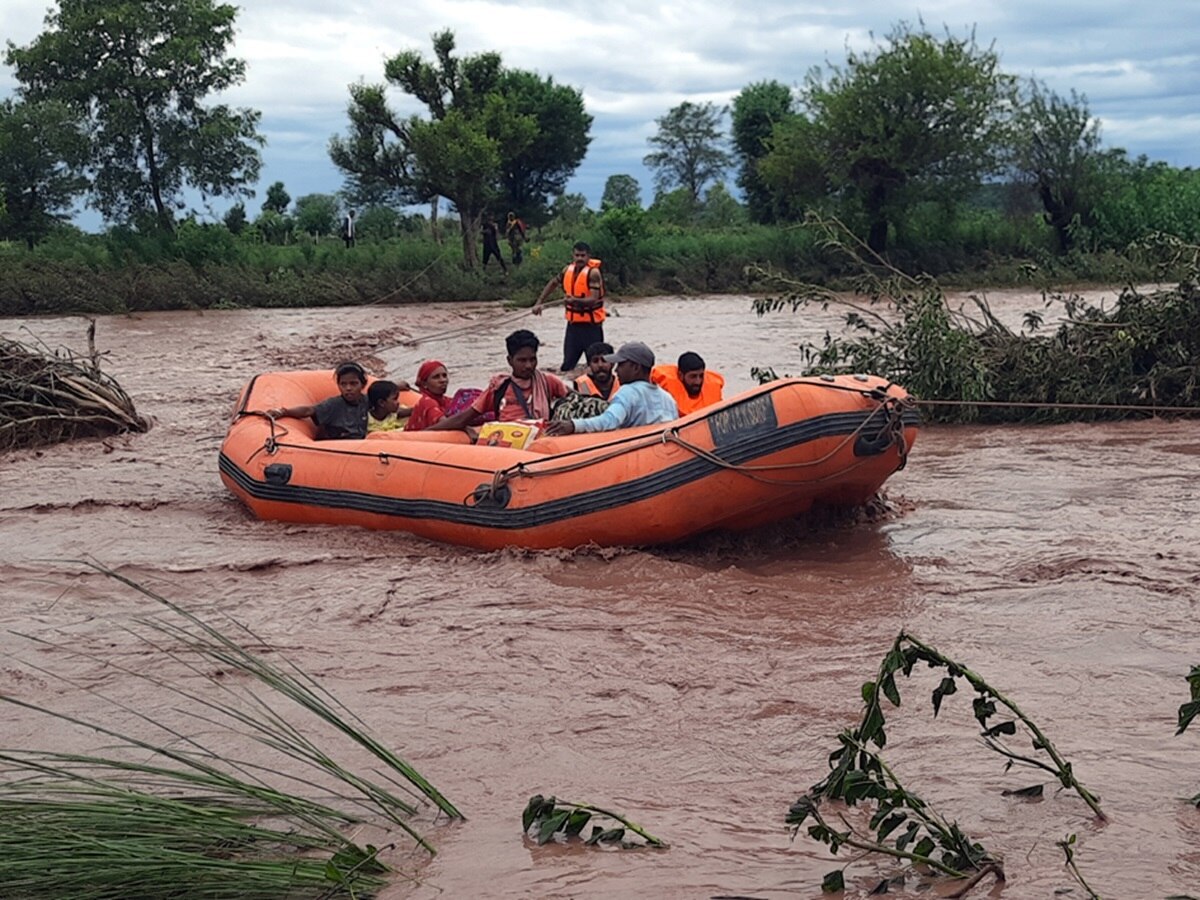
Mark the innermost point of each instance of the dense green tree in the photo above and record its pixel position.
(754, 114)
(721, 209)
(278, 199)
(677, 207)
(235, 218)
(274, 227)
(529, 179)
(621, 191)
(316, 214)
(570, 210)
(491, 136)
(918, 117)
(1057, 147)
(691, 150)
(139, 71)
(42, 154)
(796, 168)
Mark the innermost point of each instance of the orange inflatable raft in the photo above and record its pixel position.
(762, 456)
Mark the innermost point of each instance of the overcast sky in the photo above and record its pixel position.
(1137, 63)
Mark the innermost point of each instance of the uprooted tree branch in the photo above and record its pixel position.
(48, 396)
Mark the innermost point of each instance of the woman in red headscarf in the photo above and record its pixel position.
(432, 382)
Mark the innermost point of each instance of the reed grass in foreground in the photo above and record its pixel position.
(169, 815)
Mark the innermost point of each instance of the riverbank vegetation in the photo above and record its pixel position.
(234, 777)
(1141, 355)
(937, 159)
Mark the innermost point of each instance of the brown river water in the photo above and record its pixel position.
(697, 688)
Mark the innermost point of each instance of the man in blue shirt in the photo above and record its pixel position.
(639, 402)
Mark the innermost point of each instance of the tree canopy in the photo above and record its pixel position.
(491, 136)
(755, 112)
(914, 117)
(1057, 147)
(43, 151)
(621, 191)
(691, 148)
(138, 73)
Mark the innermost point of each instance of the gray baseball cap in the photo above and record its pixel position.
(634, 352)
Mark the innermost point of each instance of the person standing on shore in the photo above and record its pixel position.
(491, 243)
(348, 229)
(583, 284)
(514, 230)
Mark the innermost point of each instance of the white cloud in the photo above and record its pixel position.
(634, 60)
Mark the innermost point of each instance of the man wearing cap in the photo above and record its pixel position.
(639, 402)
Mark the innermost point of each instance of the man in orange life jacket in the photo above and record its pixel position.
(583, 284)
(598, 380)
(689, 383)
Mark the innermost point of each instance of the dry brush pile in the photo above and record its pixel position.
(48, 396)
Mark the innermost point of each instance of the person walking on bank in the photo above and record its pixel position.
(491, 243)
(348, 229)
(583, 283)
(514, 230)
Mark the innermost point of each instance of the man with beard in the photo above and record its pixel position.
(692, 386)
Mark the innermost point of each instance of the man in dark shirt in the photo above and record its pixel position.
(491, 243)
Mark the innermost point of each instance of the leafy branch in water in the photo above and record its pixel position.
(904, 825)
(547, 818)
(967, 365)
(1189, 711)
(1067, 845)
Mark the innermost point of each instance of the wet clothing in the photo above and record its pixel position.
(577, 338)
(336, 419)
(638, 403)
(520, 399)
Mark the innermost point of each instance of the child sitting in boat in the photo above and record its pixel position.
(386, 413)
(340, 417)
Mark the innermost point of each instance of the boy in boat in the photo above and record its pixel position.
(598, 379)
(341, 417)
(690, 383)
(386, 413)
(639, 402)
(523, 393)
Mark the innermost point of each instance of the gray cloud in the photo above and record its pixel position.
(1137, 65)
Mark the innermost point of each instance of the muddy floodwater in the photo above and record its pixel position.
(696, 688)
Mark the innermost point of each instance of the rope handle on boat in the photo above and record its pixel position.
(893, 408)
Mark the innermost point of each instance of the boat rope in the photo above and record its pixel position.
(1107, 407)
(892, 408)
(474, 326)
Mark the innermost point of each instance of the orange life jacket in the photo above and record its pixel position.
(587, 387)
(667, 378)
(575, 284)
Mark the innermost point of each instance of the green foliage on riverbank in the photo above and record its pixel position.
(206, 266)
(965, 365)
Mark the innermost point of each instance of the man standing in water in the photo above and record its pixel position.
(583, 284)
